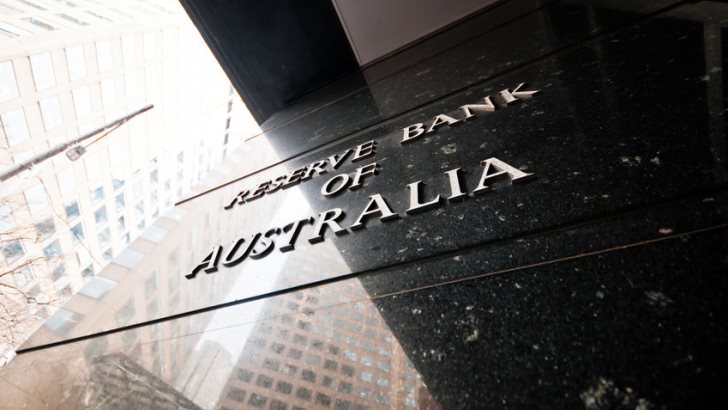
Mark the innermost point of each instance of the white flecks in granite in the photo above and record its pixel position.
(605, 394)
(449, 148)
(657, 298)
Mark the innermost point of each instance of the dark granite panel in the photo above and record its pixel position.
(639, 327)
(624, 328)
(492, 17)
(623, 122)
(496, 15)
(497, 51)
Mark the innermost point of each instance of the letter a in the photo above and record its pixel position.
(501, 170)
(209, 264)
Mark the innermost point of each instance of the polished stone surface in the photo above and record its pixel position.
(597, 283)
(604, 324)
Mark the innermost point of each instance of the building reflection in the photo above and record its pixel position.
(324, 349)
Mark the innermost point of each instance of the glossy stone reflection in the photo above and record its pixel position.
(437, 239)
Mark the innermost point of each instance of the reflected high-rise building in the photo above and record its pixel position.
(315, 351)
(70, 67)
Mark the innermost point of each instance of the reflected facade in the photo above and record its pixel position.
(559, 242)
(64, 221)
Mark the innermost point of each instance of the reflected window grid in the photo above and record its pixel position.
(43, 74)
(23, 275)
(15, 126)
(76, 63)
(45, 228)
(82, 101)
(72, 210)
(12, 250)
(50, 109)
(108, 92)
(40, 23)
(35, 198)
(8, 85)
(77, 233)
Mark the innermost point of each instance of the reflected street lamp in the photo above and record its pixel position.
(76, 152)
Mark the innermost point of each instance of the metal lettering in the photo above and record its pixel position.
(379, 207)
(209, 264)
(502, 170)
(456, 185)
(231, 259)
(440, 120)
(364, 150)
(361, 172)
(294, 177)
(407, 132)
(415, 205)
(317, 166)
(326, 191)
(292, 230)
(327, 218)
(515, 95)
(239, 199)
(260, 190)
(486, 106)
(336, 161)
(275, 184)
(266, 244)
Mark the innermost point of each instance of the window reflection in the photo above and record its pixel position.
(16, 129)
(100, 216)
(103, 55)
(88, 271)
(23, 276)
(9, 9)
(72, 210)
(32, 4)
(50, 108)
(130, 83)
(76, 63)
(52, 252)
(66, 182)
(125, 313)
(77, 233)
(119, 202)
(104, 237)
(8, 86)
(72, 19)
(128, 50)
(82, 101)
(63, 320)
(12, 250)
(42, 67)
(97, 194)
(23, 156)
(10, 30)
(7, 221)
(93, 167)
(58, 272)
(108, 92)
(41, 23)
(45, 228)
(35, 197)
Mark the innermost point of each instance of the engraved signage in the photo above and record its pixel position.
(335, 220)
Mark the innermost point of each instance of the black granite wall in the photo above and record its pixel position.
(596, 283)
(599, 283)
